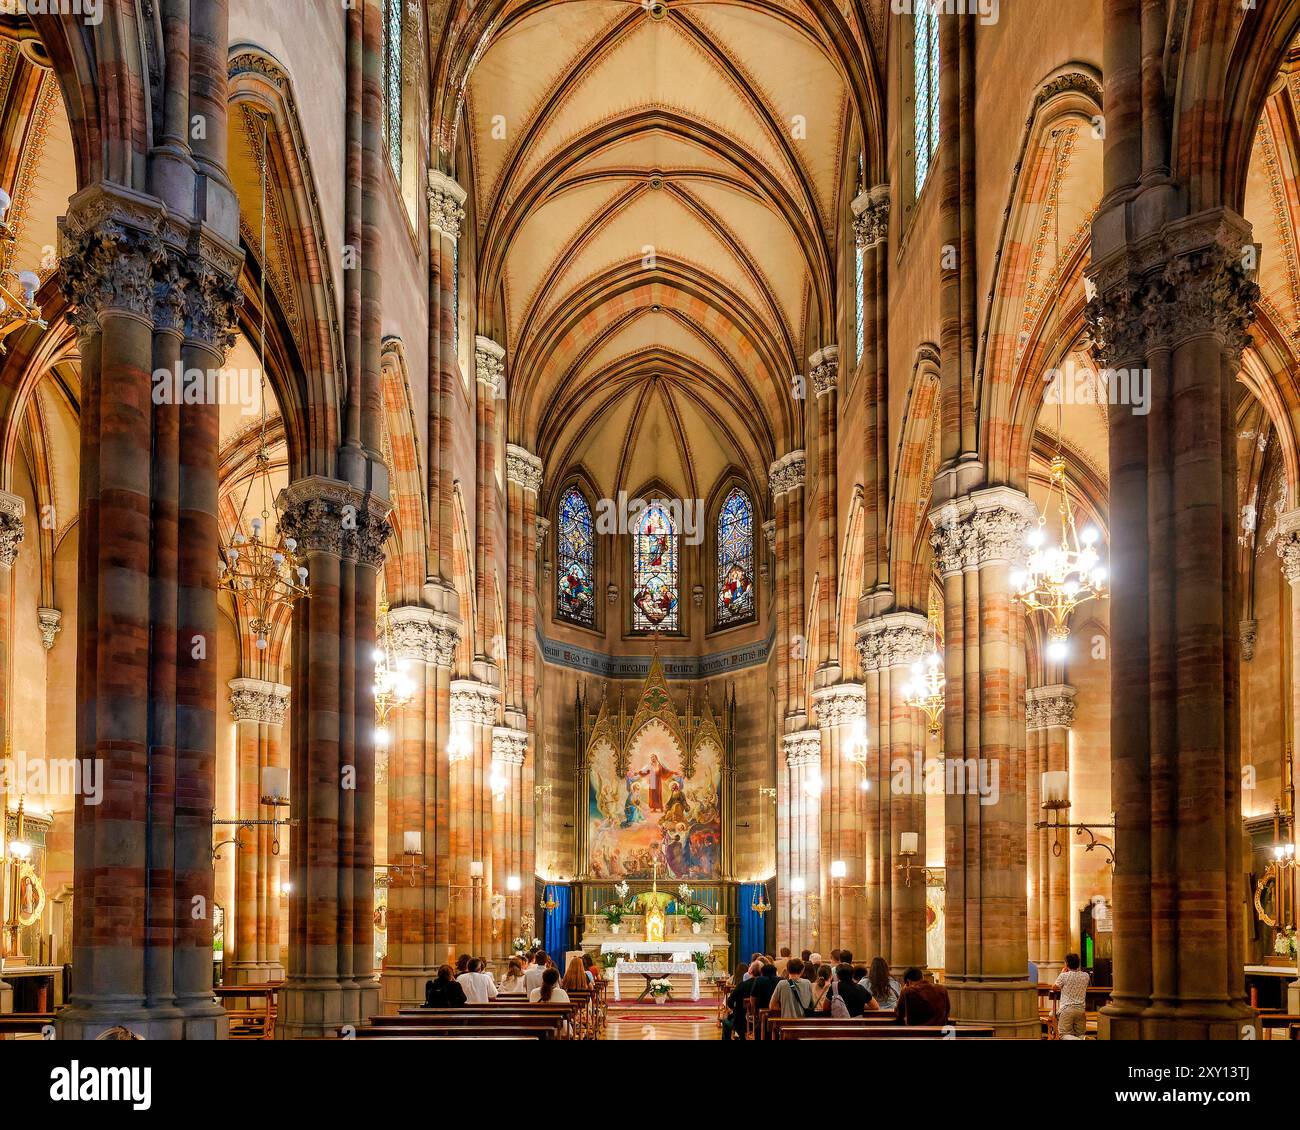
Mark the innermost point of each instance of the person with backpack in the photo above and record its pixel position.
(847, 997)
(794, 995)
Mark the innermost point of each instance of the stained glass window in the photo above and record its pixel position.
(393, 81)
(575, 593)
(926, 105)
(455, 296)
(654, 571)
(735, 559)
(859, 303)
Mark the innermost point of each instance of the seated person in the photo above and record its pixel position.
(443, 991)
(921, 1002)
(549, 991)
(856, 999)
(478, 984)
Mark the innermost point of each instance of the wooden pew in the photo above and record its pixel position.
(511, 1030)
(14, 1024)
(563, 1019)
(815, 1029)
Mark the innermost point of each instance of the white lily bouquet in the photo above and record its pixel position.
(660, 987)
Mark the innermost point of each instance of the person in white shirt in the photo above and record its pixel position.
(513, 982)
(549, 991)
(533, 974)
(1073, 987)
(478, 985)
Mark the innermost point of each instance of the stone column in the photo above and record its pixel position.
(1037, 884)
(895, 803)
(257, 707)
(474, 706)
(798, 850)
(489, 369)
(1050, 711)
(871, 237)
(512, 819)
(446, 215)
(841, 714)
(1288, 549)
(824, 366)
(977, 537)
(150, 290)
(419, 800)
(331, 981)
(786, 478)
(1172, 306)
(12, 513)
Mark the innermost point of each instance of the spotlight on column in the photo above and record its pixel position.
(286, 889)
(865, 786)
(513, 884)
(275, 786)
(798, 886)
(839, 869)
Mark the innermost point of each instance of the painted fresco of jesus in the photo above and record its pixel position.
(657, 774)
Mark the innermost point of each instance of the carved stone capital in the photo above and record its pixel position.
(804, 747)
(769, 534)
(824, 367)
(871, 216)
(50, 621)
(896, 639)
(543, 526)
(1191, 279)
(985, 527)
(1288, 544)
(212, 303)
(424, 634)
(787, 473)
(330, 516)
(12, 512)
(446, 204)
(1049, 706)
(1249, 633)
(841, 704)
(509, 745)
(258, 700)
(473, 702)
(489, 363)
(523, 468)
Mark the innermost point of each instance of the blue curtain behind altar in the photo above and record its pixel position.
(753, 929)
(555, 938)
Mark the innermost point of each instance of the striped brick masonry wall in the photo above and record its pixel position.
(511, 854)
(12, 511)
(419, 787)
(798, 853)
(888, 645)
(977, 539)
(841, 710)
(257, 707)
(1049, 715)
(824, 368)
(474, 706)
(331, 980)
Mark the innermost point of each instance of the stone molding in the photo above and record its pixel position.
(446, 204)
(787, 473)
(330, 516)
(804, 747)
(1249, 634)
(896, 639)
(1049, 706)
(824, 367)
(523, 468)
(51, 624)
(985, 527)
(424, 634)
(769, 535)
(258, 700)
(474, 702)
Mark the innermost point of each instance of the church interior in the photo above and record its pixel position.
(684, 493)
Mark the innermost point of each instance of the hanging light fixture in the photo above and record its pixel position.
(261, 572)
(1064, 569)
(925, 690)
(17, 288)
(393, 685)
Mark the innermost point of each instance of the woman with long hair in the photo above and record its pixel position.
(549, 991)
(575, 976)
(513, 981)
(444, 991)
(883, 987)
(821, 1002)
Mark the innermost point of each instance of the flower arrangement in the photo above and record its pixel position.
(1284, 944)
(614, 912)
(684, 894)
(521, 945)
(702, 960)
(660, 987)
(609, 960)
(622, 890)
(695, 914)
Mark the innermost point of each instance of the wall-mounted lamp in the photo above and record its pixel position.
(1054, 788)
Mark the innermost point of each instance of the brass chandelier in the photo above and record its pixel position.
(393, 686)
(924, 691)
(261, 572)
(17, 288)
(1064, 569)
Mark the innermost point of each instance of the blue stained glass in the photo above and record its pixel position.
(393, 82)
(735, 559)
(455, 296)
(926, 102)
(860, 303)
(654, 571)
(575, 593)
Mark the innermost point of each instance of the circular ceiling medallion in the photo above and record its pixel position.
(658, 9)
(656, 182)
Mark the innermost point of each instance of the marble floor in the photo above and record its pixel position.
(680, 1019)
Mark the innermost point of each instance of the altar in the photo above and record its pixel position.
(652, 969)
(676, 946)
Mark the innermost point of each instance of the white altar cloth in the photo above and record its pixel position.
(660, 968)
(674, 947)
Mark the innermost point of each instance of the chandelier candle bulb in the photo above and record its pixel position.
(275, 785)
(513, 884)
(476, 869)
(907, 843)
(839, 869)
(412, 843)
(1056, 789)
